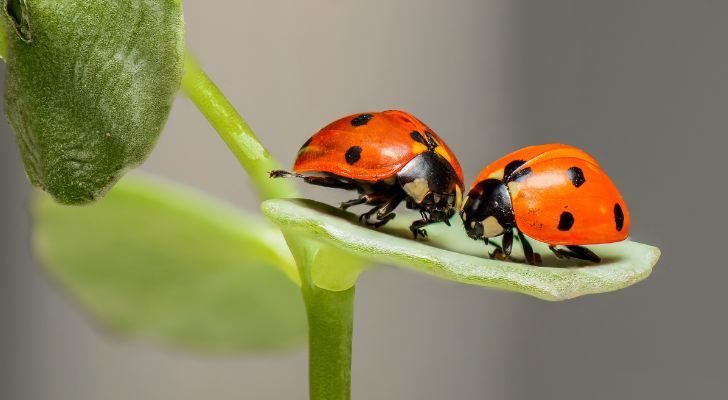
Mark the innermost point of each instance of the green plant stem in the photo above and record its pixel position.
(330, 322)
(330, 313)
(3, 39)
(233, 129)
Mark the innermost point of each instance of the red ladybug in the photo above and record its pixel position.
(554, 193)
(388, 157)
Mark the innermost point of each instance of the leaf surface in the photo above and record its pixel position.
(157, 262)
(88, 87)
(448, 253)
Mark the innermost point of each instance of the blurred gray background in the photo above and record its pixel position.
(642, 85)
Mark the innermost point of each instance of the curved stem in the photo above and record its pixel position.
(3, 41)
(330, 313)
(233, 129)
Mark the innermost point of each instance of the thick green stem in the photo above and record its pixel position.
(330, 322)
(236, 133)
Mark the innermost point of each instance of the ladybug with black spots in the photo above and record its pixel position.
(388, 157)
(553, 193)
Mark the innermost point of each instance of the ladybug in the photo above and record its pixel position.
(387, 157)
(553, 193)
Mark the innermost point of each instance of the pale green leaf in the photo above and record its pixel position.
(157, 262)
(450, 254)
(89, 86)
(330, 268)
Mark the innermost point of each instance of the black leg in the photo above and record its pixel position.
(442, 216)
(381, 220)
(354, 202)
(279, 173)
(383, 213)
(326, 181)
(416, 227)
(507, 243)
(504, 251)
(583, 253)
(578, 252)
(430, 218)
(531, 257)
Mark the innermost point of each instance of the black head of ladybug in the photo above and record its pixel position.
(487, 211)
(431, 185)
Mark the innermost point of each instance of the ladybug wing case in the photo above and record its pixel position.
(517, 159)
(569, 201)
(369, 147)
(353, 155)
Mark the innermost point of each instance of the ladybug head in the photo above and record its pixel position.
(487, 211)
(431, 183)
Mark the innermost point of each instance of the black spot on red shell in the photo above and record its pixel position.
(417, 137)
(521, 173)
(576, 176)
(361, 120)
(512, 172)
(353, 155)
(566, 221)
(618, 217)
(431, 139)
(510, 168)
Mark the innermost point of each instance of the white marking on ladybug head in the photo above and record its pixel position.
(491, 227)
(417, 189)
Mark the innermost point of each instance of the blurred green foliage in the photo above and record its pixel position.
(157, 262)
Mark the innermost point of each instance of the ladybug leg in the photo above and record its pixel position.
(279, 173)
(531, 257)
(583, 253)
(330, 182)
(383, 220)
(504, 251)
(578, 252)
(383, 213)
(442, 216)
(326, 181)
(416, 227)
(558, 252)
(430, 217)
(354, 202)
